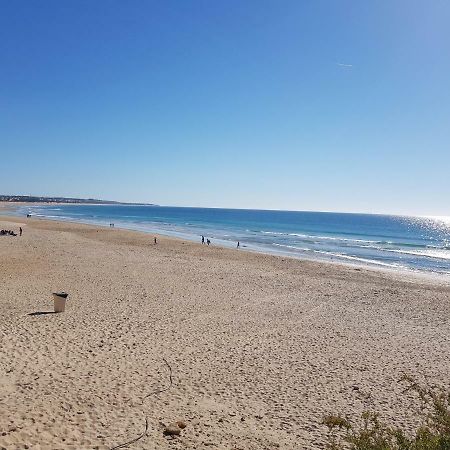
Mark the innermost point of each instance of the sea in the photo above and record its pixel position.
(387, 241)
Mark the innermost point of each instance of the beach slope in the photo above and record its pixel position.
(249, 350)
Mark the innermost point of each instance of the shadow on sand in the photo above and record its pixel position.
(41, 313)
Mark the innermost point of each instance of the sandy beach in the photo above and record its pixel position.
(250, 351)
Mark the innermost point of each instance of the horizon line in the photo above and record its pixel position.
(134, 203)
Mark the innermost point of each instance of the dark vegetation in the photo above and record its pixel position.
(37, 199)
(373, 434)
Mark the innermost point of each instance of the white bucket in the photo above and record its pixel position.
(59, 299)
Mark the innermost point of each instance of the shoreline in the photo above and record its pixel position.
(398, 273)
(260, 347)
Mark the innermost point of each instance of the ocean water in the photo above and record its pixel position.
(415, 243)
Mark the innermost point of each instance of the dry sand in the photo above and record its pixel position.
(260, 347)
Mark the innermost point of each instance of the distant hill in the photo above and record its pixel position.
(36, 199)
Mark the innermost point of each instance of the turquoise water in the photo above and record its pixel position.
(415, 243)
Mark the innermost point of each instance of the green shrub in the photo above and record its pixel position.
(434, 434)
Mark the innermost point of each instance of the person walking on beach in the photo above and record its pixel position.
(208, 241)
(155, 240)
(203, 239)
(20, 231)
(238, 245)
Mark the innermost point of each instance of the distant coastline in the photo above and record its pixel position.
(64, 200)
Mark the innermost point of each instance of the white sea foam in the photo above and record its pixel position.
(293, 247)
(356, 258)
(443, 254)
(333, 238)
(327, 238)
(47, 216)
(343, 256)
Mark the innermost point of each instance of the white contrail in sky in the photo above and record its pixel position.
(344, 65)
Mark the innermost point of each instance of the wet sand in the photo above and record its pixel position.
(260, 347)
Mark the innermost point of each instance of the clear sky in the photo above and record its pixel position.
(304, 104)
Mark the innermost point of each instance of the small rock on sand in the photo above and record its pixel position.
(172, 430)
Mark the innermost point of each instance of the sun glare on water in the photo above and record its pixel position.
(442, 219)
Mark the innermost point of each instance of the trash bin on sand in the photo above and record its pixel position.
(59, 299)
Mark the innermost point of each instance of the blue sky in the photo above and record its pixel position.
(302, 105)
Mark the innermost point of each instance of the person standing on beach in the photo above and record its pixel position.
(155, 240)
(20, 231)
(238, 245)
(208, 241)
(203, 239)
